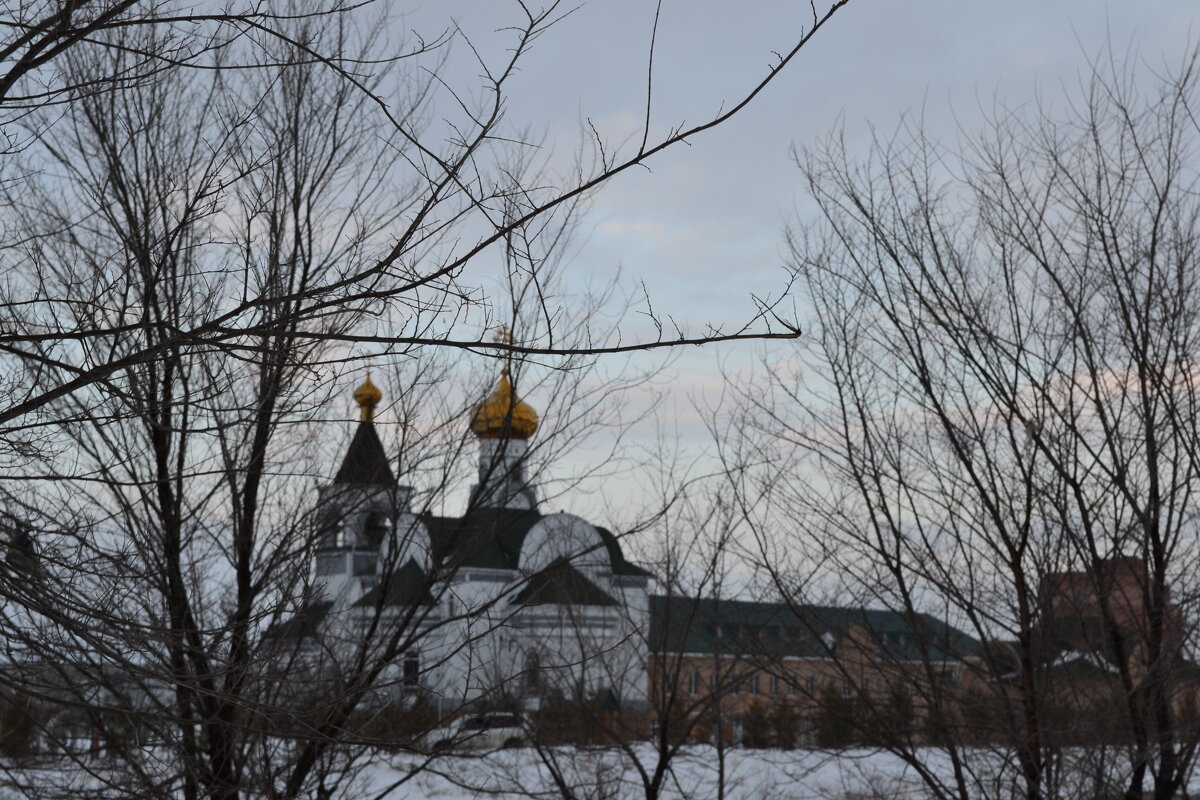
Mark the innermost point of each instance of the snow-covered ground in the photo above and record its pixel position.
(609, 775)
(697, 774)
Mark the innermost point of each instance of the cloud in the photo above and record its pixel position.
(621, 227)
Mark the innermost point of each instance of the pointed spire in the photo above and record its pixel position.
(366, 462)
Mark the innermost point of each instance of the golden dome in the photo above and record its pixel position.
(367, 395)
(504, 414)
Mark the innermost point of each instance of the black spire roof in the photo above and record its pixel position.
(365, 461)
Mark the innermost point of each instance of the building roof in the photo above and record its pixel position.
(366, 463)
(406, 586)
(491, 538)
(488, 538)
(304, 623)
(619, 564)
(709, 626)
(562, 584)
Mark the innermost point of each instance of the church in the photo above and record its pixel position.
(508, 605)
(502, 603)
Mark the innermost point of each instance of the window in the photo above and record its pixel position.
(374, 529)
(793, 686)
(847, 688)
(866, 686)
(364, 564)
(775, 685)
(694, 683)
(737, 684)
(810, 686)
(330, 563)
(412, 671)
(533, 671)
(329, 529)
(755, 684)
(491, 721)
(810, 728)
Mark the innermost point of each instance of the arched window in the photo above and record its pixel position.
(375, 529)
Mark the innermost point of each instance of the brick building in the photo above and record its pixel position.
(1105, 609)
(761, 662)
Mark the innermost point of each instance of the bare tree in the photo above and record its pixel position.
(468, 183)
(995, 424)
(150, 39)
(205, 227)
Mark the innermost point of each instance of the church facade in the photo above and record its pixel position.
(504, 601)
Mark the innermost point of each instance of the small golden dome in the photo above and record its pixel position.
(504, 414)
(367, 395)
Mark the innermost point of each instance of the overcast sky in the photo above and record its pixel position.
(704, 227)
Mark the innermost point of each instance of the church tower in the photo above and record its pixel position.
(356, 514)
(503, 423)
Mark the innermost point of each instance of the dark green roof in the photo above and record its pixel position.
(366, 463)
(619, 564)
(562, 584)
(491, 538)
(692, 625)
(487, 538)
(303, 623)
(406, 586)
